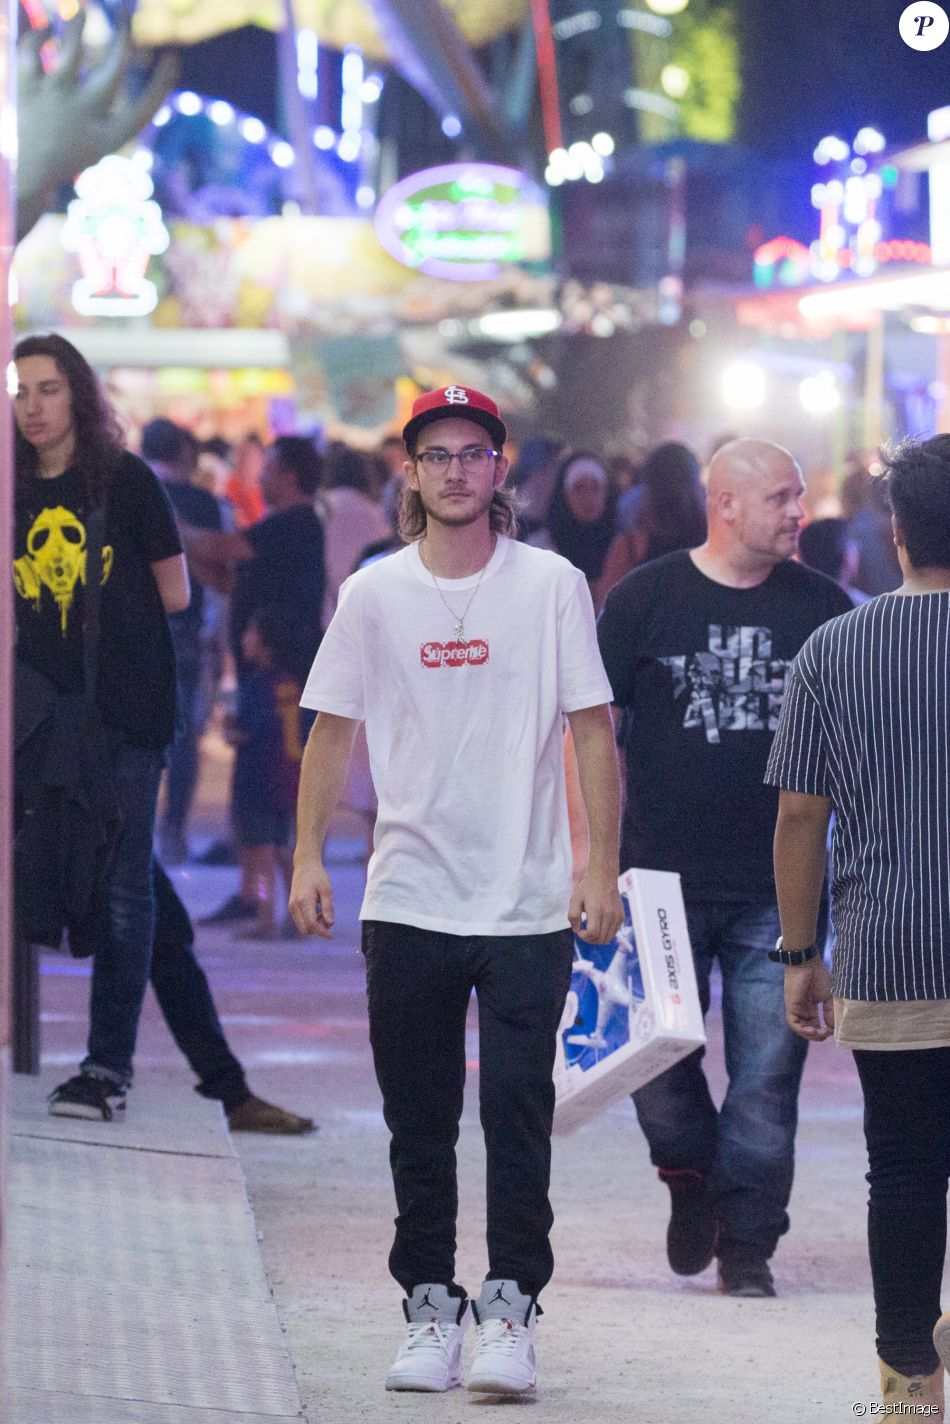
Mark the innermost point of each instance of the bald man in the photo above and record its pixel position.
(698, 646)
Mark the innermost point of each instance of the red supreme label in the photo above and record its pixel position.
(435, 655)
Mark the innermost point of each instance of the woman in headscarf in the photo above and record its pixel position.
(580, 522)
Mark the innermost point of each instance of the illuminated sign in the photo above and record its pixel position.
(783, 260)
(115, 227)
(464, 221)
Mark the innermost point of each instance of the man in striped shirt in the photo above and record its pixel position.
(865, 733)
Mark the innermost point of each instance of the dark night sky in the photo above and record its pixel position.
(810, 67)
(813, 67)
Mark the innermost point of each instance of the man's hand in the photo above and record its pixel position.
(808, 986)
(311, 899)
(596, 896)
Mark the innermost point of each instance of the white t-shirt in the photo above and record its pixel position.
(465, 740)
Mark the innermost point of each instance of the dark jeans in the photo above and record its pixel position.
(121, 964)
(183, 754)
(184, 998)
(746, 1149)
(419, 984)
(907, 1129)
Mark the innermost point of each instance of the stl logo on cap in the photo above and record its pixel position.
(455, 395)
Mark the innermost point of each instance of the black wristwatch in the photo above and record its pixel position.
(778, 955)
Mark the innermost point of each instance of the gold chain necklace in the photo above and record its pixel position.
(459, 632)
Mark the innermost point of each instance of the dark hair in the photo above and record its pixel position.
(297, 454)
(917, 476)
(217, 446)
(168, 443)
(823, 545)
(346, 469)
(278, 633)
(96, 429)
(673, 512)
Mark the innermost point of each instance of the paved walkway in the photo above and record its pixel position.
(620, 1338)
(136, 1290)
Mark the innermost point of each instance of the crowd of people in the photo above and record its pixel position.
(605, 516)
(760, 674)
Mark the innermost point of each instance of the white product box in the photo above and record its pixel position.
(633, 1008)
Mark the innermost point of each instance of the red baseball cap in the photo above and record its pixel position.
(460, 401)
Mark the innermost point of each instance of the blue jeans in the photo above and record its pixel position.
(746, 1149)
(121, 965)
(183, 753)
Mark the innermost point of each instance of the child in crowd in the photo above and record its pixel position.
(266, 733)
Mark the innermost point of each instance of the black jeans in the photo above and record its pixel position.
(907, 1129)
(184, 998)
(419, 983)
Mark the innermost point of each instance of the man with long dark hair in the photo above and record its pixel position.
(70, 463)
(463, 653)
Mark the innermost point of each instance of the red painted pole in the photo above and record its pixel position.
(547, 75)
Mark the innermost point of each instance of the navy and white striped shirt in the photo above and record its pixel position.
(866, 722)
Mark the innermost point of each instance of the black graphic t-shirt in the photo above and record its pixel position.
(700, 670)
(136, 682)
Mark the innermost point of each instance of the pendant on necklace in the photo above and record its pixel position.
(460, 631)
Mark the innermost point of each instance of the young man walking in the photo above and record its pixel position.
(464, 653)
(864, 733)
(71, 469)
(698, 646)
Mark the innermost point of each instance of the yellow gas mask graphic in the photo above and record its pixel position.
(55, 558)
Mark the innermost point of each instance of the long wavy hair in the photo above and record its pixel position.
(96, 428)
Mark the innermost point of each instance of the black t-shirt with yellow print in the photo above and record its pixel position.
(136, 692)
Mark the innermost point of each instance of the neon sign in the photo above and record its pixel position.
(115, 227)
(783, 259)
(464, 221)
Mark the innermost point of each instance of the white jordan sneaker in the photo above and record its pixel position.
(430, 1357)
(504, 1361)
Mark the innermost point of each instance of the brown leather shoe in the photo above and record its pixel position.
(254, 1115)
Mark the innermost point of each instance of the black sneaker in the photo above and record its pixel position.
(693, 1229)
(89, 1096)
(234, 908)
(744, 1271)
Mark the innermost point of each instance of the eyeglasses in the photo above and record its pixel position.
(473, 459)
